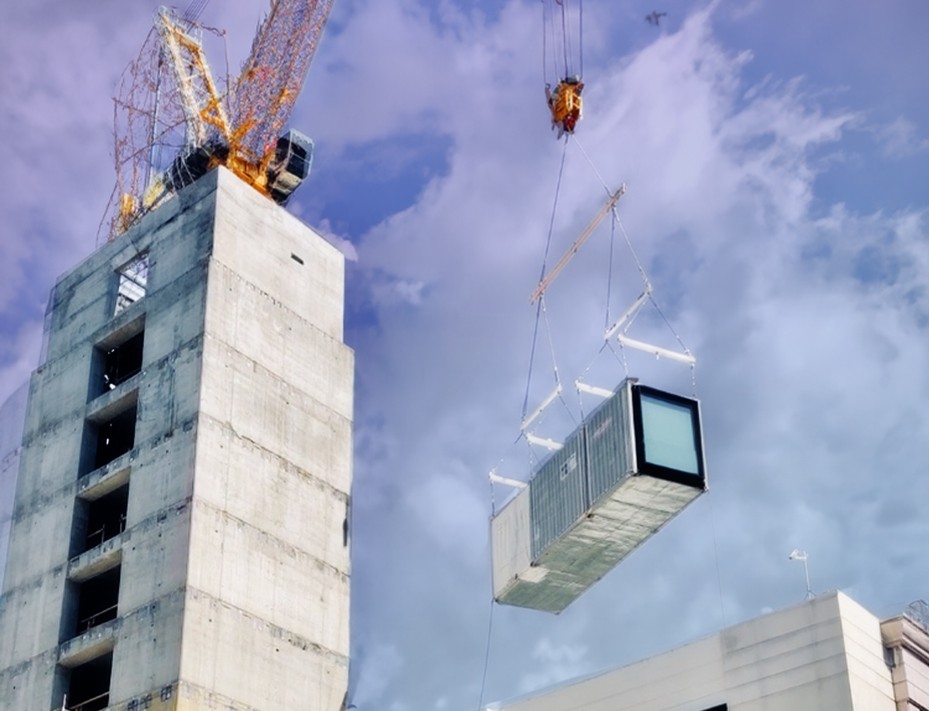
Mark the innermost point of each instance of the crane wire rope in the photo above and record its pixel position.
(548, 27)
(544, 47)
(564, 35)
(490, 627)
(606, 317)
(580, 35)
(651, 298)
(540, 309)
(641, 269)
(719, 579)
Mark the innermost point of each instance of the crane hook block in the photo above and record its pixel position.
(565, 103)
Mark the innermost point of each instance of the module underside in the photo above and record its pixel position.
(610, 530)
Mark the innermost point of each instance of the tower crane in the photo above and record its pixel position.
(169, 101)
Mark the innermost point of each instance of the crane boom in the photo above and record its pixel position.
(200, 100)
(273, 74)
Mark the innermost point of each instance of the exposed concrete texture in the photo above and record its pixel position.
(233, 562)
(822, 654)
(12, 422)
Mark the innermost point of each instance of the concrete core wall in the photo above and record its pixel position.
(231, 560)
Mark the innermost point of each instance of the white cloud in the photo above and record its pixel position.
(553, 664)
(380, 665)
(901, 138)
(797, 348)
(809, 319)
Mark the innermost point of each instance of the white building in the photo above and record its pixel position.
(827, 654)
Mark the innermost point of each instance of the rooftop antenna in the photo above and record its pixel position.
(797, 554)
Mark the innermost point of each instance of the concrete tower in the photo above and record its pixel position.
(179, 538)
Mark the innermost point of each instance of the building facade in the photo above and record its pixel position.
(826, 654)
(179, 537)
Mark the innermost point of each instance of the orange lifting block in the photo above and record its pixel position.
(565, 103)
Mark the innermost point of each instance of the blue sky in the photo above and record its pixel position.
(777, 193)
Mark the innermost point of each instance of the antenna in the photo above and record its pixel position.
(797, 554)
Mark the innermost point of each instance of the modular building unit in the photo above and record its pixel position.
(630, 467)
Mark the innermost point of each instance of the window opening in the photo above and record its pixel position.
(133, 281)
(106, 518)
(111, 438)
(116, 364)
(97, 600)
(89, 687)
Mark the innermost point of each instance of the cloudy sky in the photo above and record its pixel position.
(775, 158)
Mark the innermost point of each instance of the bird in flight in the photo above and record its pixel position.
(654, 17)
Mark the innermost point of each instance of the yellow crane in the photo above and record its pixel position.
(168, 101)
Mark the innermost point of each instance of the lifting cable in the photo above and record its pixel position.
(635, 257)
(572, 57)
(490, 616)
(564, 36)
(580, 36)
(540, 308)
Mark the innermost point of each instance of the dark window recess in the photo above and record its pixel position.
(721, 707)
(89, 688)
(106, 518)
(114, 437)
(121, 362)
(96, 600)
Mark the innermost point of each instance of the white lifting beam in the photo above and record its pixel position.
(630, 312)
(549, 444)
(657, 351)
(497, 479)
(541, 408)
(604, 211)
(592, 389)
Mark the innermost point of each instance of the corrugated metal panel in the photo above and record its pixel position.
(558, 493)
(589, 506)
(608, 445)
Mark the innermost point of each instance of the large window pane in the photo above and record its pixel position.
(668, 434)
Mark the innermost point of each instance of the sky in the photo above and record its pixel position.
(776, 163)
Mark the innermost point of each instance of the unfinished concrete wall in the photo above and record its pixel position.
(230, 559)
(269, 561)
(12, 421)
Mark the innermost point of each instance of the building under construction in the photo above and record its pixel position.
(179, 537)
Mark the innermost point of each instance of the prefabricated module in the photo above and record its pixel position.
(630, 467)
